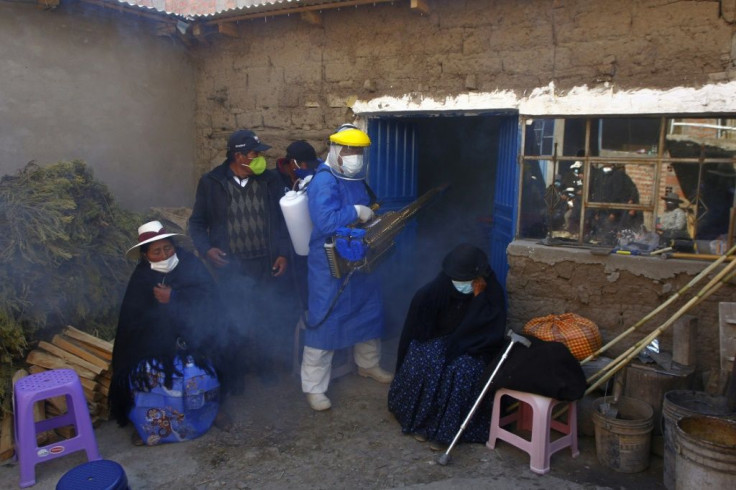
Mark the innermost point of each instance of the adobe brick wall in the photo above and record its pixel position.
(83, 83)
(614, 291)
(289, 79)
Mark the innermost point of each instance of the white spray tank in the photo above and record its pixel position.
(295, 208)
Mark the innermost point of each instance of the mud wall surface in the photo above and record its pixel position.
(614, 291)
(99, 86)
(289, 79)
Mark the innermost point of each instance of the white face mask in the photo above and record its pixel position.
(167, 265)
(464, 287)
(352, 164)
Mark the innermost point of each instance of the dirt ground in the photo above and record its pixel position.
(278, 442)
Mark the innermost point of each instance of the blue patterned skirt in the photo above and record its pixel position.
(433, 399)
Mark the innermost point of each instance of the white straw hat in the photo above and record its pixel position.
(150, 232)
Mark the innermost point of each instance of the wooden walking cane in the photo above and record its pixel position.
(721, 278)
(661, 307)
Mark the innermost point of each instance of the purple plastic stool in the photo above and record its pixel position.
(36, 387)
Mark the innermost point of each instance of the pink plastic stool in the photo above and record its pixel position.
(535, 415)
(41, 386)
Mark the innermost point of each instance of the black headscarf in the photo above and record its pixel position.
(475, 324)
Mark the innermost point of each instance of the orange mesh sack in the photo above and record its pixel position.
(579, 334)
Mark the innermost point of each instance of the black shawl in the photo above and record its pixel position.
(148, 330)
(475, 324)
(544, 368)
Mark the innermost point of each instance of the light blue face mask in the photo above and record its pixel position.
(464, 287)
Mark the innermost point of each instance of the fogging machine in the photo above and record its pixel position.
(364, 246)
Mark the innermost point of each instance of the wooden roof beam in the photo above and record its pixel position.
(312, 17)
(200, 33)
(165, 29)
(48, 4)
(237, 16)
(228, 29)
(420, 6)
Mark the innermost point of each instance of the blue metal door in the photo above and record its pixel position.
(505, 203)
(393, 162)
(392, 174)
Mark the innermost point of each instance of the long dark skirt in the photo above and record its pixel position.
(432, 399)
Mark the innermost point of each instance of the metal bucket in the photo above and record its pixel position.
(623, 443)
(706, 453)
(685, 403)
(649, 384)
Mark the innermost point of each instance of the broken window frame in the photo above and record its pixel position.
(656, 157)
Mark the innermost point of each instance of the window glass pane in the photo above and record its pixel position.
(532, 215)
(619, 182)
(682, 194)
(574, 137)
(614, 183)
(628, 136)
(715, 200)
(697, 131)
(675, 216)
(705, 183)
(539, 137)
(564, 200)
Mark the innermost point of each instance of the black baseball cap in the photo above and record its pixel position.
(301, 151)
(243, 141)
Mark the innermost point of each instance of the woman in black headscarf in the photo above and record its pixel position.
(455, 326)
(168, 324)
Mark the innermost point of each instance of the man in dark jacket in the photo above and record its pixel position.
(237, 226)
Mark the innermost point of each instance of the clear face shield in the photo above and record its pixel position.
(346, 162)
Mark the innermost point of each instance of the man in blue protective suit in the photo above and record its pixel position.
(338, 197)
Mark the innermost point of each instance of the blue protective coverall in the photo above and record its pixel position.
(358, 313)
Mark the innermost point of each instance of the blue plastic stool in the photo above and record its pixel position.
(102, 474)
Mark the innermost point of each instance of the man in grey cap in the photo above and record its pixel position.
(237, 226)
(672, 224)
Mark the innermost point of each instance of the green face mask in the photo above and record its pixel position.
(258, 165)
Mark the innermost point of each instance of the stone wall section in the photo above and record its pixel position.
(289, 79)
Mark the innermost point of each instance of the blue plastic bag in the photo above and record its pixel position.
(184, 412)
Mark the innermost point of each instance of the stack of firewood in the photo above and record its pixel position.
(86, 354)
(73, 349)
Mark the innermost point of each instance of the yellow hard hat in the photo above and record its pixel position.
(350, 137)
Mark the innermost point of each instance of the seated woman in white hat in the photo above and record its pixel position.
(167, 346)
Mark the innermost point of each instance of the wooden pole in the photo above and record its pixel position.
(661, 307)
(721, 278)
(724, 276)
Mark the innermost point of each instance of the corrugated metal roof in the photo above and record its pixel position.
(208, 8)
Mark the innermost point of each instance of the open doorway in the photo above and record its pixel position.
(461, 152)
(412, 155)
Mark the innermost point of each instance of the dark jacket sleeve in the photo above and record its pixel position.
(199, 221)
(280, 241)
(194, 305)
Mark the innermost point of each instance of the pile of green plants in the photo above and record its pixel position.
(62, 245)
